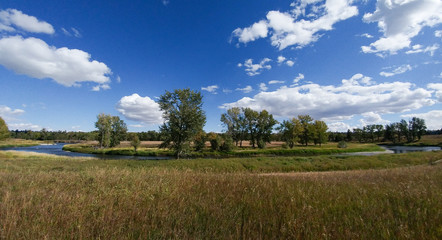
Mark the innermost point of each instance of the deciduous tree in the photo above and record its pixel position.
(184, 118)
(4, 131)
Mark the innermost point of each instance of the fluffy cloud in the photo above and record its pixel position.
(400, 21)
(298, 78)
(276, 82)
(11, 18)
(372, 118)
(338, 127)
(285, 29)
(398, 70)
(438, 33)
(432, 119)
(141, 109)
(210, 89)
(257, 30)
(255, 69)
(246, 89)
(290, 63)
(24, 126)
(419, 49)
(438, 89)
(9, 114)
(357, 95)
(281, 59)
(263, 87)
(35, 58)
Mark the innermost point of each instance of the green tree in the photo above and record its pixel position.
(417, 128)
(290, 131)
(104, 125)
(264, 127)
(111, 130)
(199, 141)
(134, 141)
(4, 131)
(118, 131)
(307, 130)
(320, 135)
(184, 118)
(234, 121)
(251, 121)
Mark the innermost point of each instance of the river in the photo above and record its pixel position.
(57, 149)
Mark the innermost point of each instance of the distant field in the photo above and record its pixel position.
(47, 197)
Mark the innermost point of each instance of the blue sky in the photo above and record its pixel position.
(347, 62)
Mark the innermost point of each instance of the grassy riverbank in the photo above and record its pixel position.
(44, 196)
(11, 142)
(326, 149)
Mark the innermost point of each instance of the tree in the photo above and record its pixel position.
(184, 118)
(104, 125)
(111, 130)
(264, 127)
(134, 141)
(251, 120)
(4, 131)
(307, 130)
(320, 132)
(418, 128)
(233, 120)
(118, 131)
(289, 133)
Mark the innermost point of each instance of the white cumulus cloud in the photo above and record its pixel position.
(247, 89)
(396, 71)
(419, 49)
(286, 29)
(263, 87)
(210, 89)
(400, 21)
(8, 113)
(357, 95)
(437, 87)
(253, 69)
(141, 109)
(68, 67)
(432, 119)
(11, 18)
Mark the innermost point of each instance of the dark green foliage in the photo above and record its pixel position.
(4, 131)
(134, 141)
(342, 144)
(227, 144)
(184, 118)
(199, 141)
(111, 130)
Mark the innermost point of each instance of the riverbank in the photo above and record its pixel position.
(45, 196)
(326, 149)
(11, 142)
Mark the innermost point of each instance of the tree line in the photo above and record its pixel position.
(402, 131)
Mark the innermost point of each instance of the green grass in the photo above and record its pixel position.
(246, 152)
(47, 197)
(11, 142)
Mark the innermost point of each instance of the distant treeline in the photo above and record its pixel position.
(395, 132)
(402, 131)
(45, 135)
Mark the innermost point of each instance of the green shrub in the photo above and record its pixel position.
(342, 144)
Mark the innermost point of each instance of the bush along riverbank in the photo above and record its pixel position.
(207, 153)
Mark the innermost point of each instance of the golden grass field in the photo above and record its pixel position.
(49, 197)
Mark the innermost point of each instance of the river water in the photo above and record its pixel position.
(57, 149)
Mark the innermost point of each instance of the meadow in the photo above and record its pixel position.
(377, 197)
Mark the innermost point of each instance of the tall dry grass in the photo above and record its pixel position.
(59, 198)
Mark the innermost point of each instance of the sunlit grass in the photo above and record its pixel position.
(49, 197)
